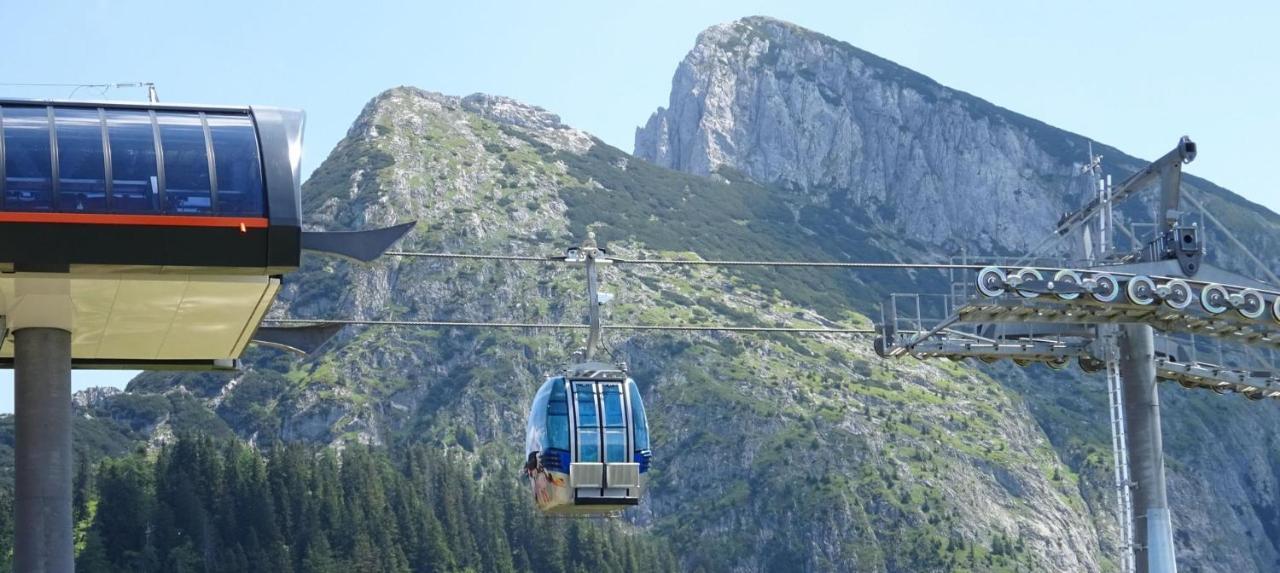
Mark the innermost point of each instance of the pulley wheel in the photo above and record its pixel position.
(879, 346)
(991, 282)
(1057, 363)
(989, 359)
(1179, 296)
(1275, 309)
(1213, 298)
(1022, 362)
(1252, 305)
(1106, 288)
(1089, 364)
(1029, 274)
(1141, 291)
(1068, 277)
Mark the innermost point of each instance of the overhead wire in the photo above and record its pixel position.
(809, 264)
(51, 85)
(693, 262)
(522, 258)
(572, 326)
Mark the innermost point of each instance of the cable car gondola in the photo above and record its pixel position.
(587, 442)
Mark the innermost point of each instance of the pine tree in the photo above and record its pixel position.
(93, 558)
(319, 556)
(125, 499)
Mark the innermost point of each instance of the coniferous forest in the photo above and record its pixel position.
(208, 505)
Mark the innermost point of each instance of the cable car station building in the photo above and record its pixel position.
(133, 236)
(154, 234)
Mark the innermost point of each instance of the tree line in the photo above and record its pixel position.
(206, 505)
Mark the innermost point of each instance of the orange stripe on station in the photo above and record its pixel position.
(147, 220)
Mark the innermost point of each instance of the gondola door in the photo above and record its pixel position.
(602, 472)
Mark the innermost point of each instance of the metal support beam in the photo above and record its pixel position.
(593, 307)
(42, 451)
(1153, 529)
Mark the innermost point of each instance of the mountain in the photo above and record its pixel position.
(846, 133)
(772, 452)
(853, 132)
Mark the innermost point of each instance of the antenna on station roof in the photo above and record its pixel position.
(103, 88)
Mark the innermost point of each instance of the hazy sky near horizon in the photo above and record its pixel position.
(1136, 75)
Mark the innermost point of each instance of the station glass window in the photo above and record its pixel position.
(81, 171)
(135, 185)
(28, 164)
(187, 187)
(237, 164)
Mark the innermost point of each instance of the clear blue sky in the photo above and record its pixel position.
(1132, 74)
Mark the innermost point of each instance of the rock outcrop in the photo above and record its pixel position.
(859, 134)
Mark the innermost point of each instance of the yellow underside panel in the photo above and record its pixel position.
(153, 317)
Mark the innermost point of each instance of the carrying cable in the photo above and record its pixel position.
(691, 262)
(571, 326)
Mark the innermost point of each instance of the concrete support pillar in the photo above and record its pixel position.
(1153, 529)
(42, 451)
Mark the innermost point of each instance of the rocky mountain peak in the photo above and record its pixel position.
(92, 397)
(851, 132)
(792, 107)
(416, 105)
(533, 120)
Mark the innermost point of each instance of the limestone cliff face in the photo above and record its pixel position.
(859, 133)
(847, 131)
(785, 105)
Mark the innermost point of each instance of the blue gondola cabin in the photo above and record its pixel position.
(587, 443)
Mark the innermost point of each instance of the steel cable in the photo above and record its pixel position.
(573, 326)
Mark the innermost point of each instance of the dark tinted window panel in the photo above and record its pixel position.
(588, 445)
(134, 178)
(237, 165)
(612, 397)
(586, 406)
(82, 175)
(558, 431)
(28, 163)
(187, 188)
(615, 445)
